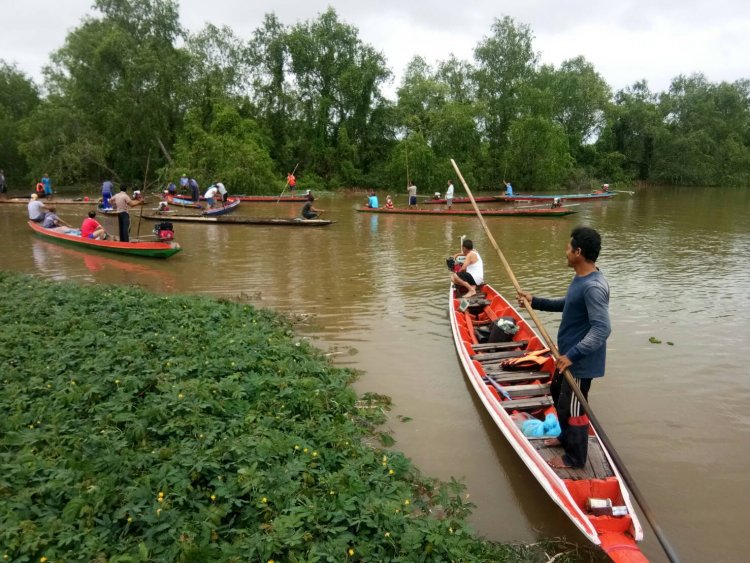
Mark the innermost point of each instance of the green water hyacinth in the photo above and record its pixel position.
(140, 427)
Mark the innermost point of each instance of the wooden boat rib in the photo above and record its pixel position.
(150, 249)
(529, 392)
(564, 197)
(460, 200)
(240, 220)
(514, 212)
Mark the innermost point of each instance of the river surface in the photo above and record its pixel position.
(374, 292)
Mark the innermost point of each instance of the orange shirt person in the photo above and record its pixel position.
(292, 181)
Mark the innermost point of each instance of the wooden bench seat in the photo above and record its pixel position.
(491, 356)
(500, 345)
(529, 390)
(528, 404)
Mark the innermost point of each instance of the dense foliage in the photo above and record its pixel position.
(138, 427)
(130, 87)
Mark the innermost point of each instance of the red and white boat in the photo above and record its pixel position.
(593, 497)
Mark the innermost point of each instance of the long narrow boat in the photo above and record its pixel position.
(513, 395)
(150, 249)
(530, 212)
(230, 205)
(240, 220)
(272, 198)
(563, 197)
(52, 202)
(458, 200)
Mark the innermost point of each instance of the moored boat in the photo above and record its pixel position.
(563, 197)
(52, 201)
(240, 220)
(183, 202)
(229, 205)
(593, 497)
(512, 212)
(272, 198)
(459, 200)
(152, 249)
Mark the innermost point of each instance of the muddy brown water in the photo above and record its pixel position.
(375, 288)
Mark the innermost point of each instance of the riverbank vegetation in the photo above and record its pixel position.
(138, 427)
(132, 92)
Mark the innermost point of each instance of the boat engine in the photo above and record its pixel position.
(164, 231)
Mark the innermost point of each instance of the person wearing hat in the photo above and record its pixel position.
(122, 204)
(37, 209)
(184, 183)
(308, 211)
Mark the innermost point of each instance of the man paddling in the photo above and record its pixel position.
(582, 340)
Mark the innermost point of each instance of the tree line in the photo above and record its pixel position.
(132, 94)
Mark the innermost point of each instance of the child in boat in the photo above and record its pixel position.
(90, 228)
(51, 220)
(388, 202)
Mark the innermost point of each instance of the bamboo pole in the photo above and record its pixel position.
(287, 183)
(629, 481)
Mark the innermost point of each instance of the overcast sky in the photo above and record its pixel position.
(626, 41)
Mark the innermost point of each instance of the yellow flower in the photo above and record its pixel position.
(180, 396)
(391, 472)
(406, 502)
(331, 492)
(161, 493)
(160, 499)
(387, 534)
(350, 552)
(296, 447)
(385, 458)
(213, 497)
(450, 530)
(72, 381)
(305, 450)
(117, 381)
(315, 454)
(264, 500)
(158, 511)
(42, 559)
(130, 520)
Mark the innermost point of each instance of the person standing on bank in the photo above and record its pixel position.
(2, 182)
(412, 191)
(471, 273)
(47, 183)
(449, 194)
(122, 204)
(581, 339)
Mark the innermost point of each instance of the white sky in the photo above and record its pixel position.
(626, 41)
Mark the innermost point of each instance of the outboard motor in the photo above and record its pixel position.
(164, 231)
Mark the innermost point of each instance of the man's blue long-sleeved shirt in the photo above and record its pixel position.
(585, 324)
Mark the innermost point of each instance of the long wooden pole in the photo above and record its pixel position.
(143, 194)
(668, 549)
(287, 183)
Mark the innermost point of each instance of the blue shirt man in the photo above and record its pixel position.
(508, 188)
(47, 185)
(107, 188)
(582, 342)
(372, 201)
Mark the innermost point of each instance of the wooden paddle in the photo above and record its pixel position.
(287, 183)
(668, 549)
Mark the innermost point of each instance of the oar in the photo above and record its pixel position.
(621, 192)
(287, 183)
(668, 549)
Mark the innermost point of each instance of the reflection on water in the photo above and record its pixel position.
(376, 285)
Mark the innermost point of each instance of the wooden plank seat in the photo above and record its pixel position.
(528, 390)
(500, 345)
(510, 377)
(490, 356)
(528, 404)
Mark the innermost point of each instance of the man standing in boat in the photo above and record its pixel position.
(292, 183)
(508, 188)
(122, 204)
(581, 339)
(471, 273)
(412, 191)
(449, 194)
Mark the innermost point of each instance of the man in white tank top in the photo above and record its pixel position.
(471, 273)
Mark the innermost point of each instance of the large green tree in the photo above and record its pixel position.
(124, 72)
(19, 96)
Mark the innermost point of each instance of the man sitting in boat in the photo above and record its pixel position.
(372, 200)
(308, 211)
(508, 188)
(90, 228)
(471, 273)
(36, 209)
(51, 220)
(388, 202)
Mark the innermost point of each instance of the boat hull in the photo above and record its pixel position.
(52, 202)
(272, 198)
(147, 249)
(550, 198)
(240, 220)
(532, 212)
(528, 392)
(460, 200)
